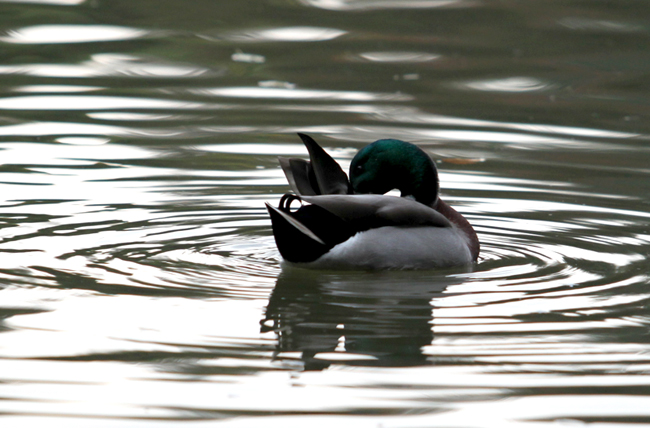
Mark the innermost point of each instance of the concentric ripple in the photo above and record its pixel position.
(140, 284)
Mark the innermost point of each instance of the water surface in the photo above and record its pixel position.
(140, 285)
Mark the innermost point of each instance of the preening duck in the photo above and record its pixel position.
(352, 224)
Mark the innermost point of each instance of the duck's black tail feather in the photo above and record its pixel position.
(294, 240)
(305, 235)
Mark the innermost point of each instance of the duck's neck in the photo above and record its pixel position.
(456, 218)
(421, 186)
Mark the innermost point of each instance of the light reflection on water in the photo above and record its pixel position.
(399, 56)
(299, 94)
(353, 5)
(289, 34)
(119, 262)
(108, 64)
(510, 84)
(246, 315)
(50, 34)
(140, 284)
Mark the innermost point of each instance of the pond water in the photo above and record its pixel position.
(140, 285)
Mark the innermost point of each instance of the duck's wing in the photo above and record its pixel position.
(328, 173)
(322, 175)
(371, 211)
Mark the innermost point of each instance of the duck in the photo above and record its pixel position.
(333, 222)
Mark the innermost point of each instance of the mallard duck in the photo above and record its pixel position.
(351, 224)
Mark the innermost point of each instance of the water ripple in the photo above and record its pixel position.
(288, 34)
(403, 57)
(51, 34)
(510, 84)
(299, 94)
(111, 64)
(140, 283)
(352, 5)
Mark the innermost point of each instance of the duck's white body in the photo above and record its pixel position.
(390, 247)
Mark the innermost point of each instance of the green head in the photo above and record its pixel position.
(393, 164)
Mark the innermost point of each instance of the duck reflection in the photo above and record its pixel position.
(361, 318)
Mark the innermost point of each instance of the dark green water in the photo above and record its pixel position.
(140, 285)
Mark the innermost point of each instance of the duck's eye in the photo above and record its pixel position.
(358, 168)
